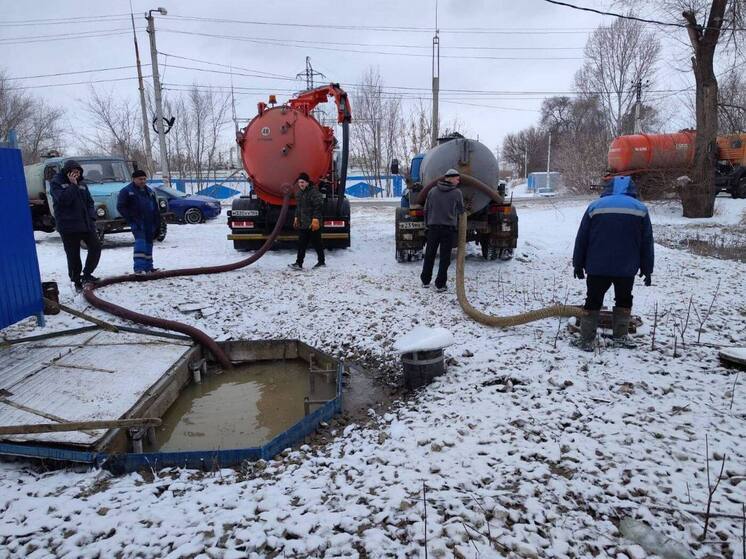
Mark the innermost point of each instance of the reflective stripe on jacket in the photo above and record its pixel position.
(615, 237)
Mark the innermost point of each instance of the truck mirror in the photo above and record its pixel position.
(394, 167)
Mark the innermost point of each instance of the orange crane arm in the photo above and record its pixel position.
(308, 100)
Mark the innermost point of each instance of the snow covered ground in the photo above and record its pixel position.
(525, 448)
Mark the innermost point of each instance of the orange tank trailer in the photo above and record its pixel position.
(640, 154)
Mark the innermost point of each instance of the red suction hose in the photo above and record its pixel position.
(196, 334)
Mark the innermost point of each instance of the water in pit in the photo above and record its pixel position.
(242, 408)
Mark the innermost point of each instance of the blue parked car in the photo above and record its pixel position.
(189, 208)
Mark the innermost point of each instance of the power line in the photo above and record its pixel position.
(73, 73)
(398, 28)
(376, 45)
(634, 18)
(64, 37)
(90, 82)
(269, 74)
(57, 21)
(315, 45)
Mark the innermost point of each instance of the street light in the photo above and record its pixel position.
(165, 173)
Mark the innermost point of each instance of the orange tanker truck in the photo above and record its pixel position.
(278, 144)
(671, 155)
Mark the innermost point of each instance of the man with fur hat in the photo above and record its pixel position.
(309, 208)
(444, 204)
(76, 222)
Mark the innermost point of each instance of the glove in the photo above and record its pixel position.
(578, 273)
(296, 223)
(648, 280)
(315, 224)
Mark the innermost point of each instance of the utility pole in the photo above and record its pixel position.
(165, 173)
(638, 106)
(436, 78)
(549, 157)
(525, 162)
(143, 107)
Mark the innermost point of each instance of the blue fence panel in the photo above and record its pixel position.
(20, 283)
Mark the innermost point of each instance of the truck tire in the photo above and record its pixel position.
(246, 246)
(740, 190)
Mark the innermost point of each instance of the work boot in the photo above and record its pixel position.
(620, 327)
(588, 326)
(89, 278)
(295, 266)
(319, 265)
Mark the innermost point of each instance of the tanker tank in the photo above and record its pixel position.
(492, 221)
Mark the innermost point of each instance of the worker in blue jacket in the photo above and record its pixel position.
(138, 204)
(75, 220)
(614, 242)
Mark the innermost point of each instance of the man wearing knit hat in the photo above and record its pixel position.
(444, 204)
(309, 208)
(138, 204)
(76, 222)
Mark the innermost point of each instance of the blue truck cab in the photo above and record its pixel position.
(413, 179)
(104, 176)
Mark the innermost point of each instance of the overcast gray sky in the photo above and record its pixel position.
(526, 50)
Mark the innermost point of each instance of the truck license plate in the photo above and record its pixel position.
(412, 225)
(245, 213)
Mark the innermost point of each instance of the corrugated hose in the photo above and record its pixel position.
(500, 321)
(196, 334)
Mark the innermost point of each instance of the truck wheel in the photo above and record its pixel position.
(162, 232)
(193, 216)
(740, 190)
(485, 245)
(245, 246)
(401, 255)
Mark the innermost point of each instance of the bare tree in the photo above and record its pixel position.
(579, 137)
(616, 57)
(37, 124)
(708, 24)
(41, 132)
(526, 151)
(418, 130)
(117, 126)
(377, 136)
(194, 141)
(732, 103)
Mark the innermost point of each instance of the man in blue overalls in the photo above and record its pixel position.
(138, 204)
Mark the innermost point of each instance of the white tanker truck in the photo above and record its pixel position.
(492, 224)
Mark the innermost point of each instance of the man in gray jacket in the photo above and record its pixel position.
(444, 204)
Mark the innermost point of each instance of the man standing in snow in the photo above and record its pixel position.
(309, 210)
(76, 222)
(444, 204)
(138, 204)
(614, 242)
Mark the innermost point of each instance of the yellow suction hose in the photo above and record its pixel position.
(500, 321)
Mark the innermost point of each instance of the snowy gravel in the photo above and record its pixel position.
(525, 448)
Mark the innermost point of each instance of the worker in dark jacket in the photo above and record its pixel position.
(76, 222)
(614, 242)
(309, 213)
(444, 204)
(138, 204)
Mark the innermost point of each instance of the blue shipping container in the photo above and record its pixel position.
(20, 283)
